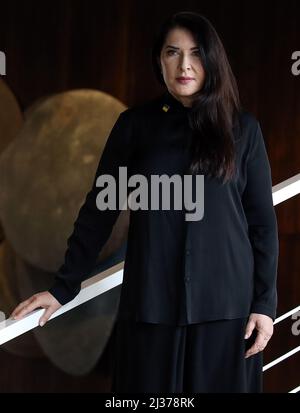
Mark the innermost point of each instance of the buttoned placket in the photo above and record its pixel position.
(185, 310)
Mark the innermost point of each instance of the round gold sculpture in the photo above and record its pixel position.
(47, 170)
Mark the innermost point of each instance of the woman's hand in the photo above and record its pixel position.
(264, 327)
(44, 300)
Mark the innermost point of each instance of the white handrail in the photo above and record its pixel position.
(286, 315)
(281, 358)
(296, 390)
(94, 286)
(286, 189)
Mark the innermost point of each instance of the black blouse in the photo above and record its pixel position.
(180, 271)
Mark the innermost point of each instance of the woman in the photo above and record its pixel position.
(199, 296)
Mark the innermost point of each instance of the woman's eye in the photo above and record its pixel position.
(171, 52)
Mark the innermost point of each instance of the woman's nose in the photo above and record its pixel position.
(185, 63)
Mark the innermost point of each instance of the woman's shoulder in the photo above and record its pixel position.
(249, 132)
(247, 120)
(245, 125)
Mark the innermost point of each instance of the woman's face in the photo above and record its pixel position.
(180, 57)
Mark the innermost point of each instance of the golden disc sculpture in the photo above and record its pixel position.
(47, 170)
(44, 177)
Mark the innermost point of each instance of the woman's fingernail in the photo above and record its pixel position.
(42, 323)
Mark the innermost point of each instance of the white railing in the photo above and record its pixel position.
(286, 189)
(113, 277)
(296, 390)
(94, 286)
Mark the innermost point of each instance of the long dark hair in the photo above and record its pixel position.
(216, 106)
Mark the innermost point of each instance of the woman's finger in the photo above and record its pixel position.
(249, 328)
(20, 307)
(259, 344)
(35, 303)
(45, 317)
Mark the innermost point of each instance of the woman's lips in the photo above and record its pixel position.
(183, 81)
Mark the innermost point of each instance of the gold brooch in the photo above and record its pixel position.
(166, 108)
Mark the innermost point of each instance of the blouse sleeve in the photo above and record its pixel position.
(93, 226)
(262, 227)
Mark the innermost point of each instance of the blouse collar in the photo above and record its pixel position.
(170, 102)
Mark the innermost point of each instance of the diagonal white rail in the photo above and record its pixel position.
(281, 358)
(94, 286)
(287, 315)
(286, 189)
(296, 390)
(112, 277)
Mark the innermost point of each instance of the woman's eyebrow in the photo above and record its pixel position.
(177, 48)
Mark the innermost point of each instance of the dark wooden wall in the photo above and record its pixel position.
(52, 46)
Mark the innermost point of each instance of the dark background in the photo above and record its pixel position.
(54, 46)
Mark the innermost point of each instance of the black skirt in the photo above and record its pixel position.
(205, 357)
